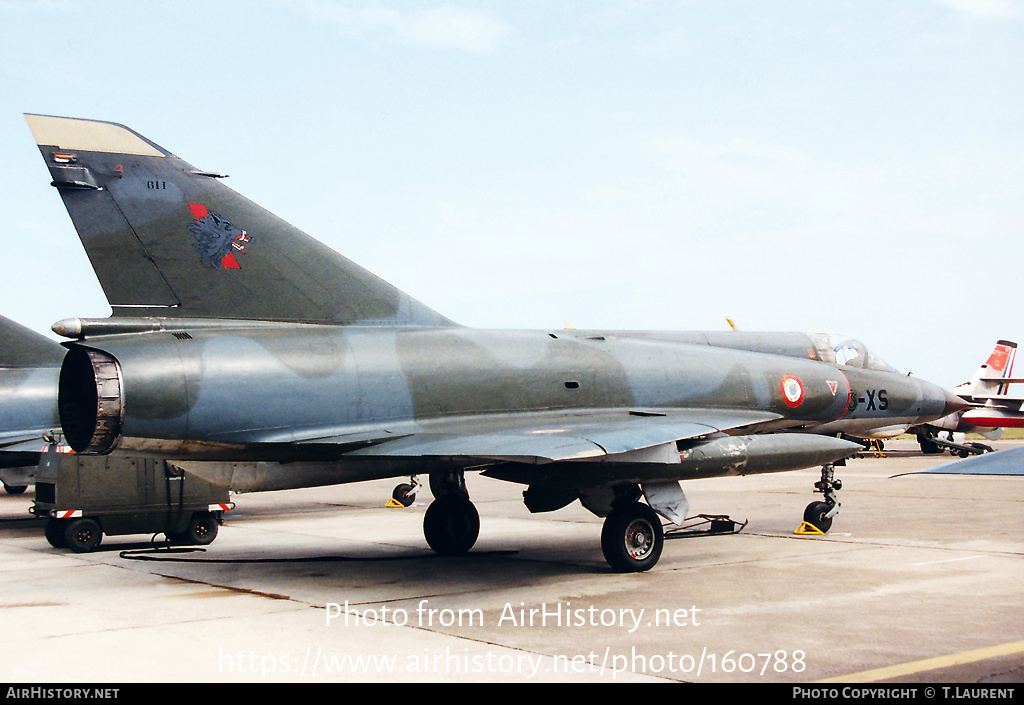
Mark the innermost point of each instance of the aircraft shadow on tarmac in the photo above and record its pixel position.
(179, 555)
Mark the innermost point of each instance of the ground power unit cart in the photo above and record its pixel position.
(87, 497)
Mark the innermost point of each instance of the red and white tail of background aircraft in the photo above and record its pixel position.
(996, 399)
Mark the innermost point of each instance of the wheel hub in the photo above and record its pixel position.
(639, 539)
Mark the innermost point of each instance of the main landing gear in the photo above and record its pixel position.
(451, 523)
(632, 538)
(932, 444)
(819, 514)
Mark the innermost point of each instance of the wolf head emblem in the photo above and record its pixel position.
(216, 240)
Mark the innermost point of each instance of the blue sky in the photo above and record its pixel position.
(852, 167)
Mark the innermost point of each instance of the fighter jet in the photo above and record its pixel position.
(876, 417)
(29, 365)
(235, 338)
(992, 409)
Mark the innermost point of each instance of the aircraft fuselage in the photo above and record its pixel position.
(207, 393)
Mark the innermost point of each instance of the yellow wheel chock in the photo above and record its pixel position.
(808, 528)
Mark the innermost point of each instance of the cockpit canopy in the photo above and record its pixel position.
(842, 350)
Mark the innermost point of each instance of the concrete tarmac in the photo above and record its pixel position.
(921, 579)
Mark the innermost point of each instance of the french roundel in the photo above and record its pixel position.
(792, 391)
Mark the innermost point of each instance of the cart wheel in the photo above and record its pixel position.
(202, 529)
(83, 535)
(55, 533)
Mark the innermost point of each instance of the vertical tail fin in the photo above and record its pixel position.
(169, 240)
(993, 378)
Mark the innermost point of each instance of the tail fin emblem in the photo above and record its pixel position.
(997, 360)
(217, 240)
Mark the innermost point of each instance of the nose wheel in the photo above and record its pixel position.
(405, 493)
(819, 515)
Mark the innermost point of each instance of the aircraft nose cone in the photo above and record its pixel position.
(953, 403)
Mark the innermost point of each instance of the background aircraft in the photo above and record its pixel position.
(993, 407)
(235, 338)
(29, 365)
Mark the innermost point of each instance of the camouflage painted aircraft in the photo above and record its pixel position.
(877, 418)
(29, 365)
(237, 339)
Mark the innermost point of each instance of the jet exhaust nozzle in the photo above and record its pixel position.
(89, 401)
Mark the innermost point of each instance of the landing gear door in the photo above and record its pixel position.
(667, 499)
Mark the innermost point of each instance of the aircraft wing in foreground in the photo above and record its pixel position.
(1002, 462)
(238, 339)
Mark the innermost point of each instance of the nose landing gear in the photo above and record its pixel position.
(405, 493)
(818, 515)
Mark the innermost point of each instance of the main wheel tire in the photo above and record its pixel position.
(451, 525)
(632, 538)
(15, 489)
(83, 535)
(815, 516)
